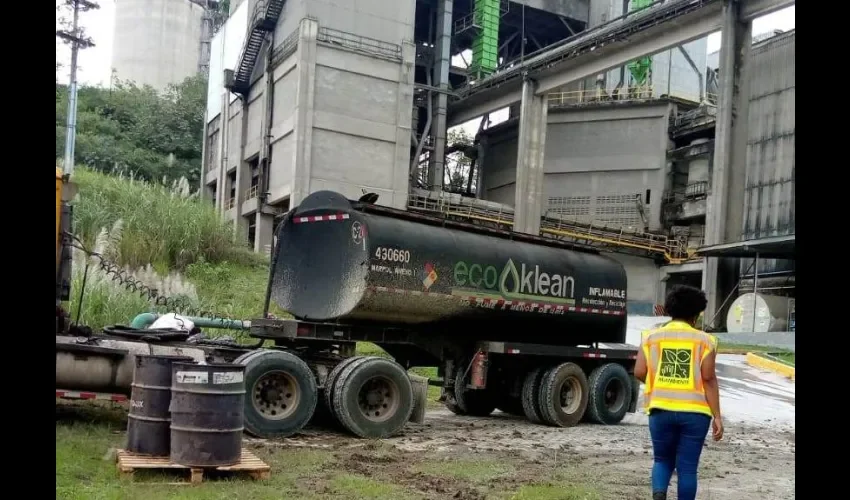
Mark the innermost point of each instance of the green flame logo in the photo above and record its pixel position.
(509, 272)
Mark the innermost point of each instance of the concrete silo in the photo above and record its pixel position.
(157, 42)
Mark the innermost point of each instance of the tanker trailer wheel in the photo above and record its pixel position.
(333, 376)
(373, 398)
(610, 394)
(531, 396)
(563, 395)
(280, 393)
(474, 402)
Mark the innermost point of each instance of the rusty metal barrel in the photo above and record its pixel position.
(148, 424)
(207, 410)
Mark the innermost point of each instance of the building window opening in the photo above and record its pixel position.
(231, 200)
(254, 165)
(252, 230)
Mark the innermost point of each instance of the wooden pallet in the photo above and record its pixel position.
(250, 464)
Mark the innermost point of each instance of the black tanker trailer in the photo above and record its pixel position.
(529, 325)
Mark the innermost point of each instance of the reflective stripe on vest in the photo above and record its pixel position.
(674, 360)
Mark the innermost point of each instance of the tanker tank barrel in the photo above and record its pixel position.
(349, 261)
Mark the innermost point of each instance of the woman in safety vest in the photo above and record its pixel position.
(676, 362)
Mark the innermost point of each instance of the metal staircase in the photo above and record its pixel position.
(263, 21)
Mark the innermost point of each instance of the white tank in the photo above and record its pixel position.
(771, 314)
(157, 42)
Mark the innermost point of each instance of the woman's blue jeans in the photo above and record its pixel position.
(677, 440)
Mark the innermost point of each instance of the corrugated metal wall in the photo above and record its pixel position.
(769, 199)
(771, 137)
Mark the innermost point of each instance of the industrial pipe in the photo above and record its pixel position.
(145, 320)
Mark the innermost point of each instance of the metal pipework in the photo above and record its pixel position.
(145, 320)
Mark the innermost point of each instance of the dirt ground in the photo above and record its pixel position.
(477, 458)
(450, 457)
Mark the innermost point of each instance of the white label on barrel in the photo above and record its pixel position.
(227, 377)
(193, 377)
(137, 404)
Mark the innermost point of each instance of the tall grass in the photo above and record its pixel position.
(168, 239)
(166, 226)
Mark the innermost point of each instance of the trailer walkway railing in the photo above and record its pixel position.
(594, 235)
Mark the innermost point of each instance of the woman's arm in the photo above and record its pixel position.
(709, 380)
(712, 392)
(640, 365)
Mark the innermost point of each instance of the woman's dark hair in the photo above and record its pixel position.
(685, 302)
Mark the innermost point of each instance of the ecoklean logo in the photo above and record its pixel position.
(513, 282)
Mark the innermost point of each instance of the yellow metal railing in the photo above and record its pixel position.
(673, 250)
(251, 192)
(623, 94)
(600, 94)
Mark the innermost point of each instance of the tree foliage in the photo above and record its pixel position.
(132, 129)
(457, 163)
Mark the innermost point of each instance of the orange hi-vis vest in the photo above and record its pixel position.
(674, 353)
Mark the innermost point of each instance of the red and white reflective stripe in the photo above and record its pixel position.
(513, 351)
(118, 398)
(503, 304)
(320, 218)
(594, 355)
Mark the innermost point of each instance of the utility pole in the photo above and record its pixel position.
(77, 42)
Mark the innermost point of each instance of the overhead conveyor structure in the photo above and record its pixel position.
(600, 236)
(659, 26)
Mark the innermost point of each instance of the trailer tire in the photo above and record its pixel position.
(343, 373)
(610, 394)
(384, 409)
(451, 403)
(473, 402)
(565, 383)
(242, 359)
(294, 393)
(333, 376)
(531, 396)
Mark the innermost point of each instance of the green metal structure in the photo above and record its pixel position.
(640, 68)
(485, 45)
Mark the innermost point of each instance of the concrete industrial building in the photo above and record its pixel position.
(161, 42)
(766, 217)
(354, 98)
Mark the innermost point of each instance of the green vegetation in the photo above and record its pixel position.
(785, 357)
(479, 471)
(137, 130)
(357, 486)
(781, 354)
(555, 492)
(166, 238)
(87, 435)
(163, 225)
(85, 470)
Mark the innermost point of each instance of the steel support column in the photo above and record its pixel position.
(528, 198)
(436, 171)
(724, 210)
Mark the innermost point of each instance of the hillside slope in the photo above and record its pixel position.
(166, 238)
